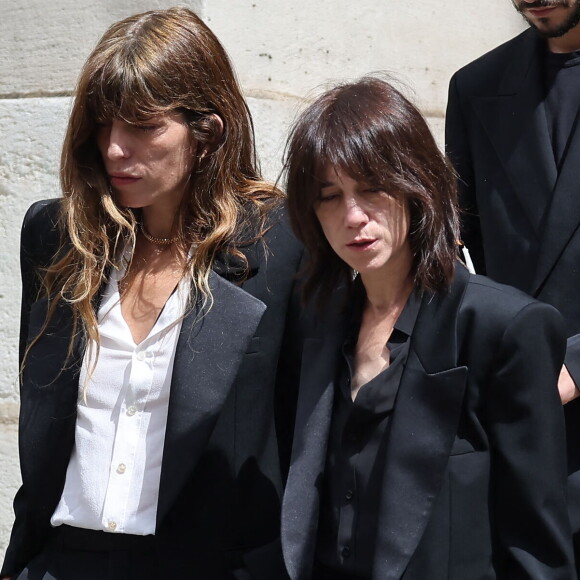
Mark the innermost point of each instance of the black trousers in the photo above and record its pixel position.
(77, 554)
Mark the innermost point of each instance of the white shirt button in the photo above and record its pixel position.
(112, 525)
(121, 468)
(131, 410)
(140, 355)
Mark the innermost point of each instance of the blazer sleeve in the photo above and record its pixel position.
(527, 438)
(24, 543)
(458, 150)
(36, 251)
(39, 242)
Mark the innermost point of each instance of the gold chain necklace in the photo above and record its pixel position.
(154, 240)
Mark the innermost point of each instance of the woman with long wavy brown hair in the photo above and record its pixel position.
(151, 338)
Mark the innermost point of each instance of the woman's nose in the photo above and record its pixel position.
(116, 142)
(355, 215)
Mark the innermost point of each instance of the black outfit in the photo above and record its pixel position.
(562, 86)
(78, 554)
(234, 372)
(354, 464)
(471, 487)
(518, 157)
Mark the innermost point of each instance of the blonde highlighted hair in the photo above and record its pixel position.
(155, 63)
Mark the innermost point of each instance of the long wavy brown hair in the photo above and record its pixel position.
(149, 64)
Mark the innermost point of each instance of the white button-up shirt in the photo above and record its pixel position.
(112, 480)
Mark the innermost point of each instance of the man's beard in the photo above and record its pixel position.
(558, 31)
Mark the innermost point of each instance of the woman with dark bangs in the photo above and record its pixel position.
(429, 438)
(152, 328)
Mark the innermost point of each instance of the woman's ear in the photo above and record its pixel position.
(212, 127)
(218, 124)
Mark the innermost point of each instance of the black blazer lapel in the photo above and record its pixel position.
(210, 348)
(515, 122)
(423, 427)
(563, 216)
(301, 498)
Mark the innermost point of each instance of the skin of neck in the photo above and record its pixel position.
(159, 221)
(390, 288)
(567, 43)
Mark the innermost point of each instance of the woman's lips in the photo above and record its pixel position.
(119, 179)
(360, 245)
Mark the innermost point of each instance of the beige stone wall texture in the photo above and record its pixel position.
(283, 51)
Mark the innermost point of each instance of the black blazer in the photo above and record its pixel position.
(474, 481)
(522, 217)
(221, 478)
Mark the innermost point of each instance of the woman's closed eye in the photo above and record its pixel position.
(147, 127)
(327, 197)
(372, 188)
(328, 194)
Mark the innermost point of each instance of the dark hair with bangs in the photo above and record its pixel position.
(153, 63)
(371, 132)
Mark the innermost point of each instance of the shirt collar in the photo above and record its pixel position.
(405, 322)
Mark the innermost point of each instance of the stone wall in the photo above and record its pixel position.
(282, 51)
